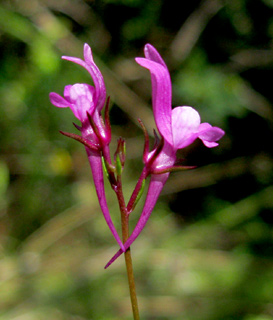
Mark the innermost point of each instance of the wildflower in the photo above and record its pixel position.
(87, 102)
(178, 127)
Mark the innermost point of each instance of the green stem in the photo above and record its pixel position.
(127, 254)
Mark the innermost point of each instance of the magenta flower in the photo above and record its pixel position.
(179, 127)
(87, 102)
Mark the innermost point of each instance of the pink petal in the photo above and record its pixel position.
(81, 89)
(162, 96)
(58, 101)
(165, 159)
(87, 54)
(210, 144)
(152, 54)
(185, 124)
(209, 134)
(82, 100)
(67, 92)
(91, 67)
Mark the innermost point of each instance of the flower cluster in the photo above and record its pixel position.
(178, 128)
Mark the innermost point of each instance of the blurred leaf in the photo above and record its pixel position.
(60, 162)
(214, 93)
(260, 317)
(16, 25)
(4, 178)
(139, 26)
(129, 3)
(43, 56)
(268, 3)
(245, 209)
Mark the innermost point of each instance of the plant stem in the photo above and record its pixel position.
(127, 254)
(130, 275)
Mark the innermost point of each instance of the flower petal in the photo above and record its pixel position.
(67, 92)
(152, 54)
(87, 54)
(91, 67)
(162, 96)
(185, 124)
(82, 100)
(210, 144)
(58, 101)
(209, 134)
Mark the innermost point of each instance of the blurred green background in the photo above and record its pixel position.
(207, 251)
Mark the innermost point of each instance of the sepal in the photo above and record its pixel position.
(109, 170)
(120, 155)
(158, 146)
(140, 193)
(77, 127)
(108, 133)
(146, 142)
(104, 136)
(172, 169)
(82, 140)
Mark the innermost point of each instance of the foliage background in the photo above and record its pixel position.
(207, 251)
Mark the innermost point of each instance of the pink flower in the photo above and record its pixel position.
(179, 127)
(82, 98)
(87, 102)
(182, 125)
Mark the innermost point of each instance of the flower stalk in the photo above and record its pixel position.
(127, 253)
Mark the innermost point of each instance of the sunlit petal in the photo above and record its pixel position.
(185, 124)
(152, 54)
(162, 96)
(209, 134)
(58, 101)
